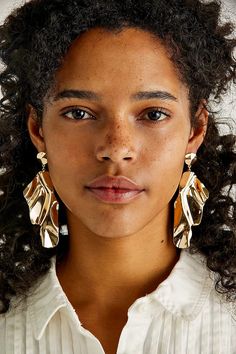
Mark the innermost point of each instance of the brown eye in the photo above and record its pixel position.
(77, 114)
(157, 115)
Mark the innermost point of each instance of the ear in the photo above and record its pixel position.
(35, 130)
(198, 131)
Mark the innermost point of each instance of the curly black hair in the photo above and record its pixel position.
(33, 42)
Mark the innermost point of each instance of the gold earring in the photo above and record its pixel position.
(43, 205)
(188, 207)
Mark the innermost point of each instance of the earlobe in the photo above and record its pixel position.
(198, 132)
(35, 130)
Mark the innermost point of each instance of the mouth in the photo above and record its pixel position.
(114, 195)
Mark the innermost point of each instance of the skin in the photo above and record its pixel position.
(117, 252)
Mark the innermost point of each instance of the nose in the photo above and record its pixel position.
(117, 145)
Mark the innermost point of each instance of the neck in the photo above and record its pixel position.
(104, 268)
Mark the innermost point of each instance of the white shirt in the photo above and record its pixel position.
(184, 315)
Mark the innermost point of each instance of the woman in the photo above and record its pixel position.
(100, 248)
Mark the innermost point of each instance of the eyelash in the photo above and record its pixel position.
(160, 110)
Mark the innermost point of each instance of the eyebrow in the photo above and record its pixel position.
(138, 96)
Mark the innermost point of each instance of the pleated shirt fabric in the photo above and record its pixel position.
(184, 315)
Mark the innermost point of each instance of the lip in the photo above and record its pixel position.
(116, 190)
(119, 182)
(116, 196)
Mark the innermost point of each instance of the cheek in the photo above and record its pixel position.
(167, 150)
(165, 164)
(70, 162)
(66, 147)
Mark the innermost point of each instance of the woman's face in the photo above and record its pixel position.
(143, 136)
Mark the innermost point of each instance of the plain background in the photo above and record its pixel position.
(228, 109)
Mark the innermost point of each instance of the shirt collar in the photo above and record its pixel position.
(188, 286)
(45, 300)
(183, 293)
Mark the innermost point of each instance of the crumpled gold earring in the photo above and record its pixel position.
(43, 205)
(188, 207)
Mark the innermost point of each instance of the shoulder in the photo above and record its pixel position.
(13, 325)
(29, 315)
(211, 304)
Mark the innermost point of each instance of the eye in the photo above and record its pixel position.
(77, 114)
(157, 114)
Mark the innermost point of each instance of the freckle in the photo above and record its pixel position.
(162, 241)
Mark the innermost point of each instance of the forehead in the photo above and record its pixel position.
(104, 59)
